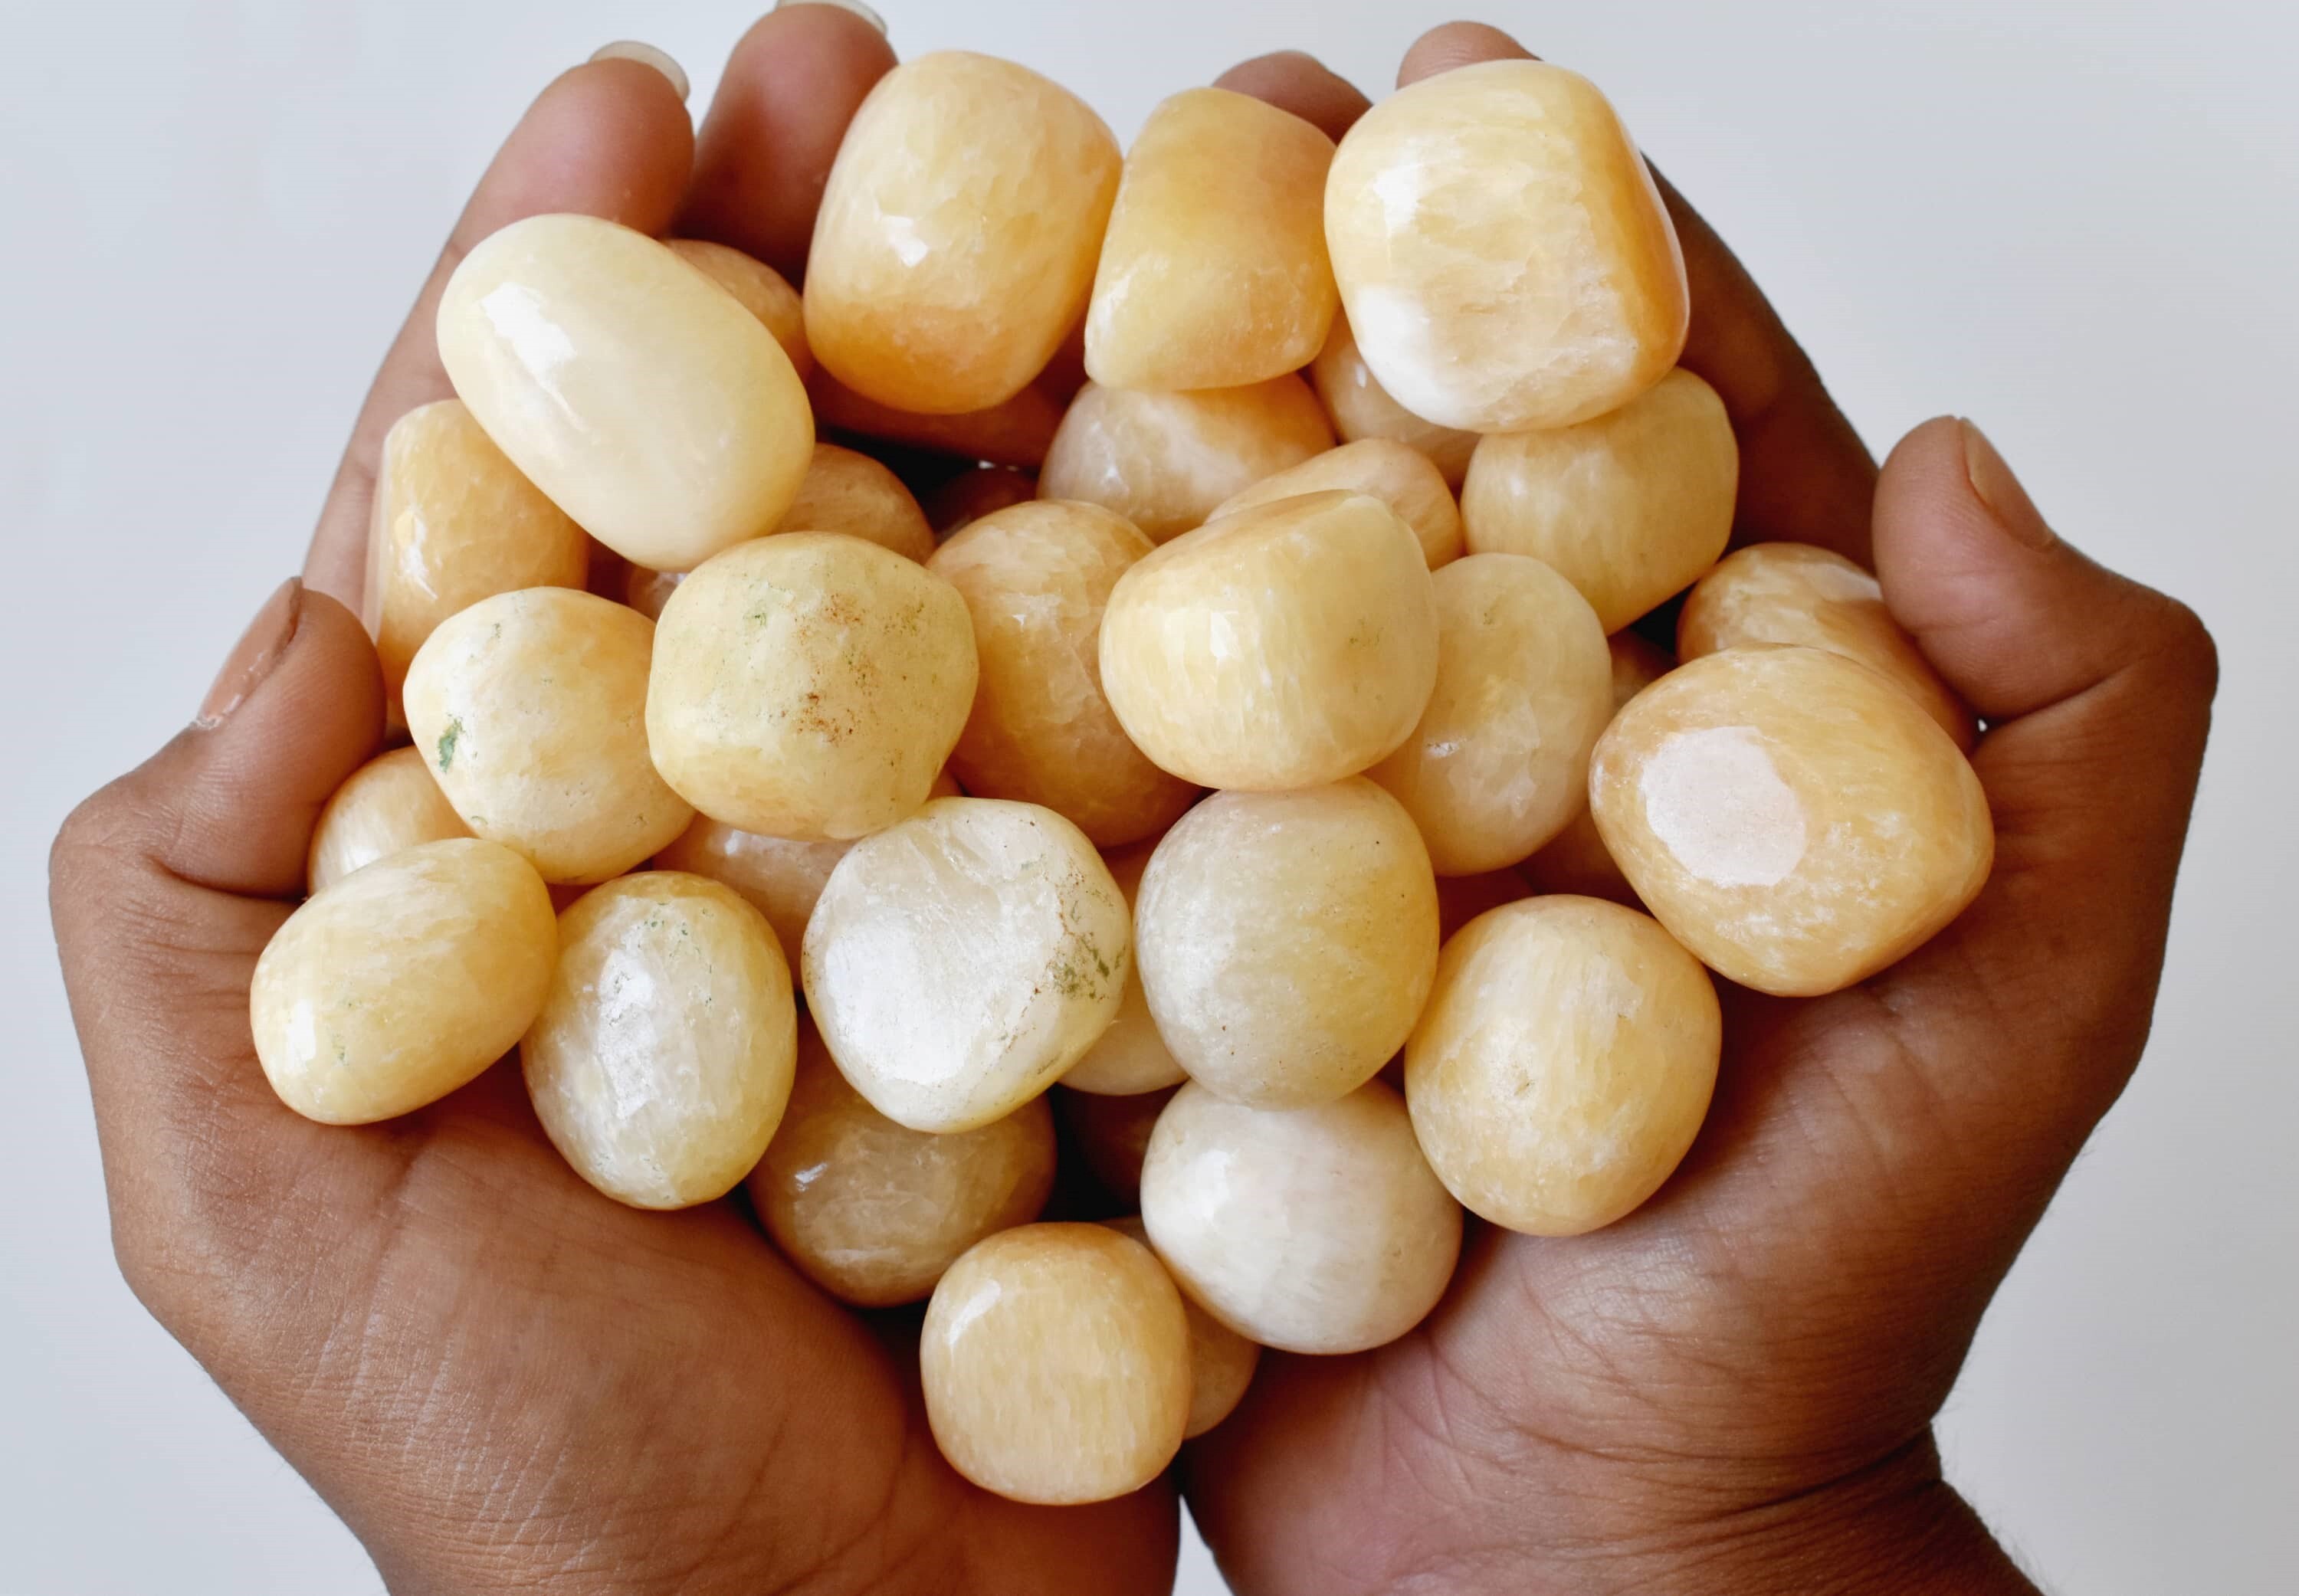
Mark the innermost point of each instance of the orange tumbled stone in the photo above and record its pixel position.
(847, 491)
(388, 804)
(1360, 408)
(1131, 1056)
(1575, 860)
(1397, 473)
(1221, 1361)
(761, 290)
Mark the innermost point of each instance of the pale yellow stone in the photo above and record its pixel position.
(1360, 408)
(1563, 1065)
(1309, 1229)
(1504, 255)
(1055, 1361)
(1016, 432)
(1791, 815)
(403, 981)
(1289, 645)
(1213, 273)
(873, 1212)
(1111, 1135)
(1131, 1057)
(1575, 860)
(848, 491)
(761, 290)
(529, 709)
(956, 237)
(388, 804)
(641, 397)
(810, 685)
(1165, 460)
(1221, 1361)
(1397, 473)
(961, 961)
(972, 494)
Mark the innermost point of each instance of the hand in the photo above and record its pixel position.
(1733, 1389)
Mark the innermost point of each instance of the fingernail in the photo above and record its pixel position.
(646, 56)
(258, 650)
(2001, 492)
(856, 6)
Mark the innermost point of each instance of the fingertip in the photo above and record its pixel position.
(1296, 81)
(1452, 44)
(611, 137)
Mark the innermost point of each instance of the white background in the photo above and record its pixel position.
(2074, 222)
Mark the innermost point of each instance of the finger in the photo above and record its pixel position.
(1301, 84)
(610, 138)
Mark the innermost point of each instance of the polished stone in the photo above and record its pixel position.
(1131, 1057)
(1360, 408)
(1397, 473)
(1575, 860)
(388, 804)
(761, 290)
(1221, 1361)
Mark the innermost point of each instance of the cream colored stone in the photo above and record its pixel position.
(1130, 1057)
(1575, 860)
(388, 804)
(851, 493)
(761, 290)
(1221, 1361)
(1015, 431)
(1360, 408)
(972, 494)
(1397, 473)
(1111, 1135)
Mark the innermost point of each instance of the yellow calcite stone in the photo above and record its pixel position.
(1575, 860)
(645, 400)
(956, 237)
(1034, 578)
(530, 709)
(970, 496)
(1287, 941)
(1288, 645)
(1565, 1063)
(403, 981)
(759, 288)
(1165, 460)
(1499, 761)
(1360, 408)
(1793, 593)
(1397, 473)
(1111, 1135)
(1131, 1057)
(1504, 255)
(1309, 1229)
(873, 1212)
(1055, 1361)
(810, 685)
(1015, 431)
(388, 804)
(847, 491)
(1221, 1361)
(1213, 274)
(1791, 815)
(961, 961)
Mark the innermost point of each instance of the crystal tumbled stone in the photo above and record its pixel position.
(1360, 408)
(1221, 1361)
(759, 288)
(848, 491)
(388, 804)
(1397, 473)
(1131, 1056)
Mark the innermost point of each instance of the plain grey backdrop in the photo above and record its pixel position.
(2075, 223)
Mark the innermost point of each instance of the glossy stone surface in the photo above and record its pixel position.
(1397, 473)
(1111, 1135)
(1791, 815)
(761, 290)
(960, 962)
(1575, 859)
(970, 496)
(1289, 645)
(1055, 1361)
(1360, 408)
(529, 709)
(1213, 273)
(810, 685)
(1131, 1056)
(388, 804)
(1221, 1361)
(1287, 941)
(957, 238)
(1504, 256)
(647, 402)
(1165, 460)
(873, 1212)
(1015, 431)
(398, 984)
(1310, 1229)
(1565, 1063)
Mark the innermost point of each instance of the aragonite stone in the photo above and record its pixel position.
(761, 290)
(1112, 1134)
(403, 982)
(1793, 593)
(1131, 1057)
(1309, 1229)
(646, 401)
(970, 496)
(1791, 815)
(661, 1061)
(1015, 431)
(529, 709)
(1165, 460)
(1055, 1361)
(873, 1212)
(847, 491)
(1360, 408)
(1285, 646)
(1221, 1361)
(1565, 1063)
(1213, 273)
(1504, 256)
(388, 804)
(956, 237)
(961, 961)
(1575, 860)
(1397, 473)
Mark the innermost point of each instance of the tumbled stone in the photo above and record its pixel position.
(1397, 473)
(1130, 1057)
(1015, 431)
(1112, 1134)
(388, 804)
(972, 494)
(847, 491)
(1360, 408)
(760, 289)
(1575, 859)
(1221, 1361)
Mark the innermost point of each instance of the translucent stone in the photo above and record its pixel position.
(1131, 1057)
(1111, 1135)
(1289, 645)
(645, 400)
(1565, 1063)
(873, 1212)
(956, 237)
(1505, 258)
(1791, 815)
(1034, 578)
(1397, 473)
(972, 494)
(810, 685)
(1307, 1229)
(661, 1061)
(1632, 507)
(1796, 594)
(961, 961)
(1575, 860)
(398, 984)
(1213, 273)
(1221, 1361)
(848, 491)
(1360, 408)
(1165, 460)
(1055, 1361)
(1016, 432)
(761, 290)
(1499, 761)
(1287, 941)
(388, 804)
(530, 709)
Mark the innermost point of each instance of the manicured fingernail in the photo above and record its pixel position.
(856, 6)
(2001, 492)
(646, 56)
(258, 650)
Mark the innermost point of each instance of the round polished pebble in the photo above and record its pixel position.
(761, 290)
(1131, 1056)
(1111, 1135)
(388, 804)
(972, 494)
(1360, 408)
(1221, 1361)
(1397, 473)
(847, 491)
(1575, 859)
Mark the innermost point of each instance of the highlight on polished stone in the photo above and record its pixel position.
(1221, 1361)
(1360, 408)
(388, 804)
(1397, 473)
